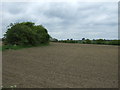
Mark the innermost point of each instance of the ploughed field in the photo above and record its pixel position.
(61, 65)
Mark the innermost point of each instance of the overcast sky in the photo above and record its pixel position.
(65, 20)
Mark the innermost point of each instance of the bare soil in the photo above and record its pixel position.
(61, 65)
(0, 43)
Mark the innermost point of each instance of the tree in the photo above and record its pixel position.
(88, 41)
(71, 39)
(42, 34)
(100, 41)
(53, 39)
(26, 33)
(83, 39)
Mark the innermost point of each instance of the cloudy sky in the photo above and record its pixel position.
(65, 20)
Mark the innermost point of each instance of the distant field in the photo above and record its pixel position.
(62, 65)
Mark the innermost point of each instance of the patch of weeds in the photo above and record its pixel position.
(16, 47)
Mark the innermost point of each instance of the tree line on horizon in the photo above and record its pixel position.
(88, 41)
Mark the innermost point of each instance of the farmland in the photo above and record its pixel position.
(61, 65)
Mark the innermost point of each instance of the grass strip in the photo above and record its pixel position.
(17, 47)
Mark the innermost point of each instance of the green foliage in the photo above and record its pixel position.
(41, 34)
(26, 33)
(114, 42)
(68, 41)
(98, 41)
(29, 24)
(53, 39)
(87, 41)
(16, 47)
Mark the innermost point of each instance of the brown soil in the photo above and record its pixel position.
(0, 43)
(62, 65)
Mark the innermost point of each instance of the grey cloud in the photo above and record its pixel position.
(66, 20)
(14, 7)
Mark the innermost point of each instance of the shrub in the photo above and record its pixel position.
(100, 41)
(26, 33)
(88, 41)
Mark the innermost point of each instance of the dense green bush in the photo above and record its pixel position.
(26, 33)
(114, 42)
(87, 41)
(100, 41)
